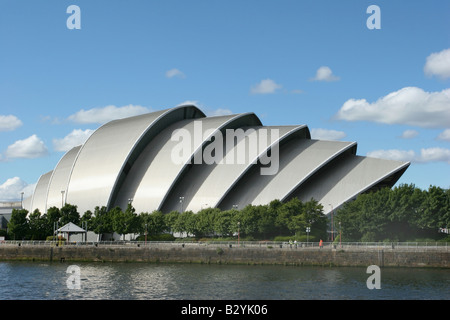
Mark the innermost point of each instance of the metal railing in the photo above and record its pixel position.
(441, 246)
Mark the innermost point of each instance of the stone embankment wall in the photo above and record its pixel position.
(210, 254)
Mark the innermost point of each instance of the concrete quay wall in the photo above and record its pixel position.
(178, 253)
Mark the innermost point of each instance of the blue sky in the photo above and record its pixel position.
(289, 62)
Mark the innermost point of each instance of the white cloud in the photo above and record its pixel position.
(172, 73)
(29, 148)
(51, 120)
(9, 123)
(438, 64)
(208, 112)
(444, 135)
(325, 134)
(108, 113)
(434, 155)
(73, 139)
(218, 112)
(426, 155)
(324, 73)
(265, 86)
(189, 103)
(409, 134)
(11, 189)
(409, 105)
(393, 154)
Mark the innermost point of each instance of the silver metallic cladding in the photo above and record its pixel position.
(206, 184)
(299, 160)
(345, 178)
(40, 192)
(59, 180)
(104, 155)
(301, 130)
(247, 118)
(171, 116)
(347, 147)
(155, 173)
(131, 159)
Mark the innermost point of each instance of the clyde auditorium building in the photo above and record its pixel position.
(144, 159)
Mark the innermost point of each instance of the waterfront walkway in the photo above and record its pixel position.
(400, 246)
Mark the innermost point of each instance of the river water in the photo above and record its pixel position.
(146, 281)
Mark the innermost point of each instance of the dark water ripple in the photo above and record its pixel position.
(141, 281)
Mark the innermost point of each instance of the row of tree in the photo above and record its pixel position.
(252, 222)
(403, 213)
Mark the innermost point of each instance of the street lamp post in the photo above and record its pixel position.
(239, 224)
(62, 198)
(332, 227)
(181, 204)
(146, 234)
(84, 226)
(308, 230)
(340, 235)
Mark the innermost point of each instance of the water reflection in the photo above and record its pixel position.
(139, 281)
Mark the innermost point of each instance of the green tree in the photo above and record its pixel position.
(404, 205)
(270, 224)
(86, 219)
(38, 225)
(184, 223)
(444, 221)
(153, 223)
(69, 213)
(398, 214)
(313, 214)
(18, 225)
(223, 224)
(204, 222)
(125, 222)
(170, 220)
(374, 215)
(285, 221)
(349, 217)
(53, 216)
(266, 222)
(434, 208)
(102, 221)
(248, 221)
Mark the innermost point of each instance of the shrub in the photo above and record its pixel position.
(55, 238)
(298, 238)
(157, 237)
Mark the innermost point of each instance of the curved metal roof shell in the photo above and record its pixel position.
(155, 172)
(59, 181)
(109, 153)
(133, 159)
(207, 184)
(39, 199)
(347, 177)
(299, 160)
